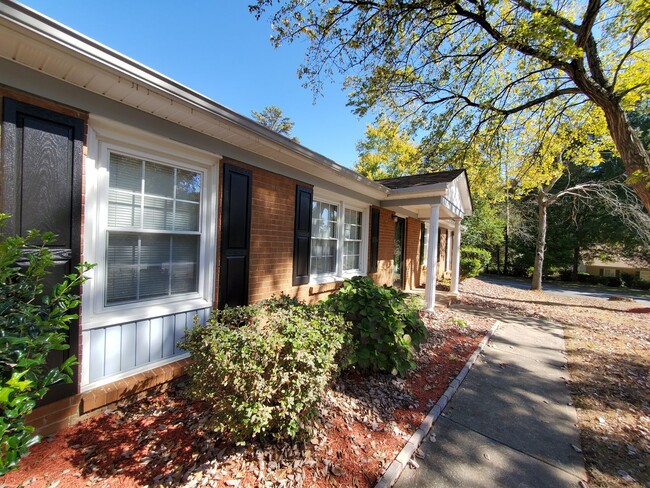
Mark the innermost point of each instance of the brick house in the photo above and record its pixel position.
(185, 205)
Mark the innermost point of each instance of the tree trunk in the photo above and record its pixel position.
(576, 263)
(506, 237)
(634, 156)
(540, 247)
(498, 259)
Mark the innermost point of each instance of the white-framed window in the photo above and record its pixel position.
(324, 238)
(352, 240)
(153, 233)
(338, 240)
(149, 226)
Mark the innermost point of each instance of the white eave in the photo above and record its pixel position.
(40, 43)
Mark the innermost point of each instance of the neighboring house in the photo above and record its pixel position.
(616, 268)
(185, 205)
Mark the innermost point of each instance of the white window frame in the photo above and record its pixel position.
(343, 203)
(104, 137)
(355, 271)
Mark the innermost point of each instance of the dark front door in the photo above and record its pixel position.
(235, 236)
(398, 254)
(42, 152)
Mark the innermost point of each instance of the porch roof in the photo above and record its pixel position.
(413, 195)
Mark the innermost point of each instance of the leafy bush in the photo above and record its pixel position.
(32, 324)
(469, 268)
(472, 261)
(476, 253)
(386, 330)
(639, 284)
(614, 282)
(263, 368)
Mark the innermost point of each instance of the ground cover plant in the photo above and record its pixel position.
(262, 369)
(33, 322)
(608, 347)
(165, 439)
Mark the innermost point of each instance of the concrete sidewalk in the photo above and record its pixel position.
(511, 422)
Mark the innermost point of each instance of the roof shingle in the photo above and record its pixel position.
(421, 180)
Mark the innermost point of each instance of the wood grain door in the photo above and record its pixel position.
(42, 154)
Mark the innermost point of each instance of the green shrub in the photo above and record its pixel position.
(386, 330)
(614, 282)
(583, 277)
(472, 261)
(639, 284)
(263, 368)
(476, 253)
(469, 268)
(32, 324)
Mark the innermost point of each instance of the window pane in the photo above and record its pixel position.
(122, 268)
(158, 213)
(125, 173)
(187, 216)
(159, 180)
(185, 264)
(154, 265)
(188, 185)
(152, 197)
(124, 209)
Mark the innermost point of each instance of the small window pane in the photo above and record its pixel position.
(159, 180)
(187, 216)
(125, 173)
(158, 213)
(124, 209)
(122, 266)
(185, 264)
(188, 185)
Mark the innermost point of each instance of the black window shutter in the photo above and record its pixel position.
(374, 240)
(302, 236)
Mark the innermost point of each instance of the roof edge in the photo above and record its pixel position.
(61, 34)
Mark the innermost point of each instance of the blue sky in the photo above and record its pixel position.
(218, 49)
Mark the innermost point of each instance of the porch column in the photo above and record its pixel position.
(432, 259)
(455, 261)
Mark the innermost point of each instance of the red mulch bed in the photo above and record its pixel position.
(163, 440)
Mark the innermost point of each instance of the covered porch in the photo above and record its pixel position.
(441, 200)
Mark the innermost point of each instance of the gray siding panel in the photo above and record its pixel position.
(112, 350)
(128, 346)
(97, 348)
(181, 320)
(142, 342)
(156, 339)
(119, 348)
(168, 336)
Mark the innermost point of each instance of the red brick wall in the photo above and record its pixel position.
(384, 274)
(412, 254)
(442, 253)
(272, 232)
(412, 267)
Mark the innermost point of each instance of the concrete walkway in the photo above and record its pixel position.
(511, 422)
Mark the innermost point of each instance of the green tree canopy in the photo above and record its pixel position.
(387, 151)
(272, 118)
(472, 69)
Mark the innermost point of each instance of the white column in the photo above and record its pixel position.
(432, 259)
(455, 265)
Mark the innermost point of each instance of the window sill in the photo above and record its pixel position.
(142, 311)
